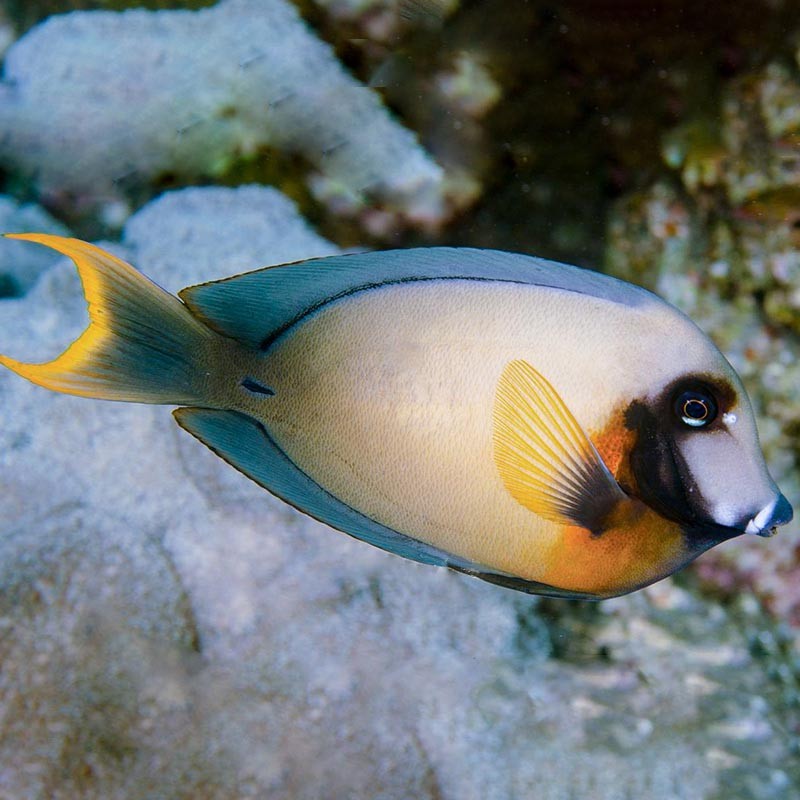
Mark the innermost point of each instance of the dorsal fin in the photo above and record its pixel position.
(245, 444)
(256, 307)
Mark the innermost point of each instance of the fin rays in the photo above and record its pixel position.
(545, 460)
(141, 344)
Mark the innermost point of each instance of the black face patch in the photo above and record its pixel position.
(663, 479)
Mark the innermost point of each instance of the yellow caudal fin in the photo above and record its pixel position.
(142, 344)
(545, 460)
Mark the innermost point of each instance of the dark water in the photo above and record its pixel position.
(169, 630)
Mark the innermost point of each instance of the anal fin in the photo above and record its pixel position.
(246, 445)
(522, 584)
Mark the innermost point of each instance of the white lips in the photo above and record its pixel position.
(756, 525)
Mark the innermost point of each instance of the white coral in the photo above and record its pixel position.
(92, 101)
(21, 265)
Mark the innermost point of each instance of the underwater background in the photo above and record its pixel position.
(170, 630)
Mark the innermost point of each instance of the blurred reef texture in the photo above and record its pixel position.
(720, 238)
(186, 94)
(171, 630)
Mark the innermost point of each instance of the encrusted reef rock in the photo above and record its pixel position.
(172, 630)
(192, 93)
(97, 640)
(720, 239)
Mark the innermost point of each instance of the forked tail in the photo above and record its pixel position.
(142, 344)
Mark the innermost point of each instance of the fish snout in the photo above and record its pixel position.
(767, 521)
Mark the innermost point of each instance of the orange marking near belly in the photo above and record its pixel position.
(639, 549)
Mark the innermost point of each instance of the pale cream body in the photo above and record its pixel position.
(385, 399)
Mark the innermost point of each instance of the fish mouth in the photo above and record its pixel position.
(770, 518)
(765, 523)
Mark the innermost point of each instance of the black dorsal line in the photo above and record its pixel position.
(257, 388)
(365, 287)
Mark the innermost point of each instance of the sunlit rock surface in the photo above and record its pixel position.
(169, 629)
(191, 93)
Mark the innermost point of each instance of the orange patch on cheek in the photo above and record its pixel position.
(614, 443)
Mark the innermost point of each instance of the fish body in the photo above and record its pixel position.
(540, 426)
(397, 396)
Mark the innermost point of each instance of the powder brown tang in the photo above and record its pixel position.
(543, 427)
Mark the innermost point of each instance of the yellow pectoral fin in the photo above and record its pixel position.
(546, 461)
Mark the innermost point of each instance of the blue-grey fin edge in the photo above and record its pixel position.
(246, 445)
(522, 584)
(260, 459)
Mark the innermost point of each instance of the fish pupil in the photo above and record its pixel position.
(695, 409)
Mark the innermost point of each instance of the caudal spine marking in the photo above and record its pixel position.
(256, 387)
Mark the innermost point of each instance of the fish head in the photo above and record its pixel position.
(640, 446)
(696, 457)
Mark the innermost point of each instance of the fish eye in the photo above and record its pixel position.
(695, 408)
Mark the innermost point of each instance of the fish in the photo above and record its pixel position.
(543, 427)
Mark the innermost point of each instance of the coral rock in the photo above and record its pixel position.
(20, 265)
(190, 93)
